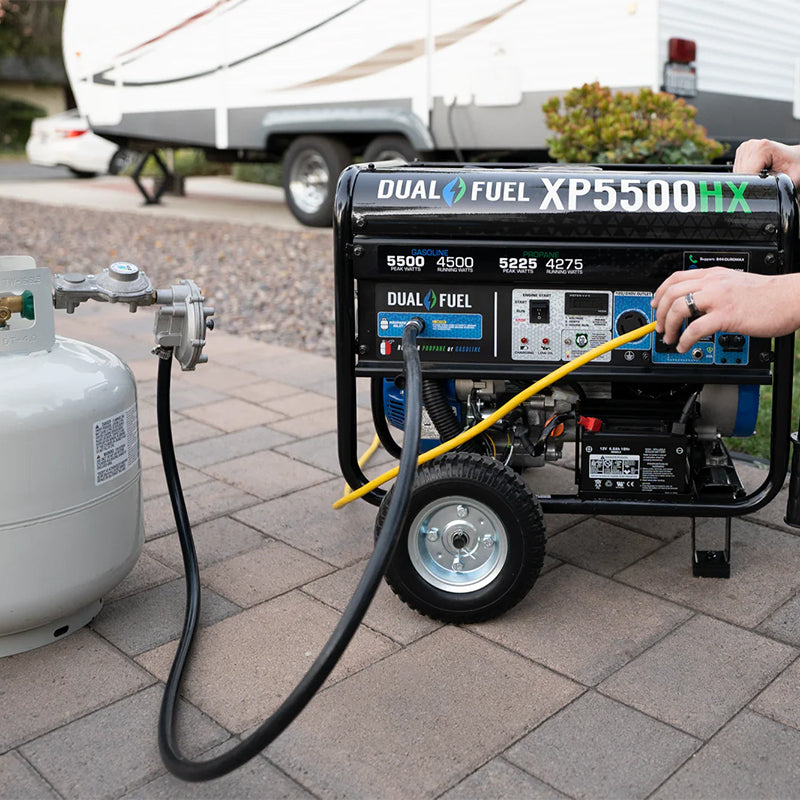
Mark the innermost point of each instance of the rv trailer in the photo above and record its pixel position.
(318, 84)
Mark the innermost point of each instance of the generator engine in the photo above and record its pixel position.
(516, 271)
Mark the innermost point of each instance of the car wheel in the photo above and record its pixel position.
(79, 173)
(390, 148)
(120, 161)
(311, 167)
(473, 541)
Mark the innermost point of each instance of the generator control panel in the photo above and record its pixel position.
(518, 270)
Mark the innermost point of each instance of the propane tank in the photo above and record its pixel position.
(71, 521)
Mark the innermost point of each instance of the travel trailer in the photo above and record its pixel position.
(317, 84)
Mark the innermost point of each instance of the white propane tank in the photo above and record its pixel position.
(71, 522)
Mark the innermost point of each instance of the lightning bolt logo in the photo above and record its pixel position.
(430, 300)
(454, 191)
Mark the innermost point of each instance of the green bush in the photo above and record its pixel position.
(258, 173)
(17, 117)
(190, 161)
(187, 162)
(594, 124)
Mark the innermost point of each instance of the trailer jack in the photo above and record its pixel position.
(167, 183)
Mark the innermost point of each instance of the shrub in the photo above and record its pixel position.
(191, 161)
(598, 125)
(258, 173)
(17, 117)
(187, 162)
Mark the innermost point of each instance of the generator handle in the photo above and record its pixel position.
(346, 338)
(379, 418)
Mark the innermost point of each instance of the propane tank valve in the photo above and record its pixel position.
(21, 304)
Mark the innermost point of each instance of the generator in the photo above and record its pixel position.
(514, 271)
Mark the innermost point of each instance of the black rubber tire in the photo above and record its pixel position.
(79, 173)
(120, 161)
(389, 148)
(311, 168)
(467, 478)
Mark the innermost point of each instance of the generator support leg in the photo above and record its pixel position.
(712, 563)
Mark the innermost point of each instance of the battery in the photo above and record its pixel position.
(634, 465)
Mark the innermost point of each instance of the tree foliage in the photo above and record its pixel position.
(31, 28)
(594, 124)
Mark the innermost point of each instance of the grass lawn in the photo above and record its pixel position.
(758, 444)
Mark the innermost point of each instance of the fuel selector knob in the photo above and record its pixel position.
(630, 320)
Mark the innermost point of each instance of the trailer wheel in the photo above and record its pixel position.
(473, 540)
(311, 167)
(390, 148)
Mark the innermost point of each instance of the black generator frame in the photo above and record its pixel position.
(348, 351)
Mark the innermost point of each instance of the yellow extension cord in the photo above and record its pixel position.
(534, 388)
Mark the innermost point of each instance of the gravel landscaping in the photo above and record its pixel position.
(272, 285)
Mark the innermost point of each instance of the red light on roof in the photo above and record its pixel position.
(684, 51)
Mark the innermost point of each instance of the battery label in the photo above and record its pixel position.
(116, 445)
(437, 326)
(616, 466)
(633, 464)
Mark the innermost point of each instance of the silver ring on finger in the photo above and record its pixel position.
(694, 311)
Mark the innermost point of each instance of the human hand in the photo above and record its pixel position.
(727, 300)
(757, 154)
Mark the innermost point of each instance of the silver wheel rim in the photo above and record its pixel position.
(457, 544)
(309, 180)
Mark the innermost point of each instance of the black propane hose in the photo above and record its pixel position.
(385, 545)
(439, 410)
(442, 416)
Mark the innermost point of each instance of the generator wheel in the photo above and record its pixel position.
(473, 541)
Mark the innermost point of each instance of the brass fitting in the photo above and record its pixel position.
(15, 304)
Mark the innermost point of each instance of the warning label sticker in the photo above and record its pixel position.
(116, 445)
(437, 326)
(613, 466)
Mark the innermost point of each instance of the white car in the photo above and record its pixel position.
(67, 140)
